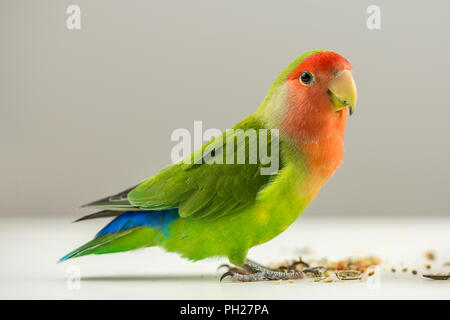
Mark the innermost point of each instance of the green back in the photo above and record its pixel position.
(202, 190)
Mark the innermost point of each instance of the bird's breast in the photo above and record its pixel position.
(323, 158)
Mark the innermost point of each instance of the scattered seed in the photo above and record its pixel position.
(393, 270)
(278, 282)
(405, 269)
(427, 266)
(430, 255)
(371, 273)
(414, 272)
(357, 265)
(437, 276)
(348, 275)
(328, 280)
(290, 281)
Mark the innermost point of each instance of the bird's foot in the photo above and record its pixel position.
(252, 271)
(263, 275)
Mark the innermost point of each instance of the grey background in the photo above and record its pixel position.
(87, 113)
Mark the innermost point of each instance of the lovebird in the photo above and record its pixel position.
(202, 209)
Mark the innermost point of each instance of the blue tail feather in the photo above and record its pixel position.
(158, 220)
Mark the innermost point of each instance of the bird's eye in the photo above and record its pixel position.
(306, 78)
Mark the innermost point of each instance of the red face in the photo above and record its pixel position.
(313, 111)
(313, 76)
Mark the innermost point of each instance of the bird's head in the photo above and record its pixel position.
(324, 76)
(313, 96)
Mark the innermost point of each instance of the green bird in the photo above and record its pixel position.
(219, 202)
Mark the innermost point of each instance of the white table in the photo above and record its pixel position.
(30, 248)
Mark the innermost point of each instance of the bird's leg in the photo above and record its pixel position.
(259, 272)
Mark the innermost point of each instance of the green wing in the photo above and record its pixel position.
(205, 190)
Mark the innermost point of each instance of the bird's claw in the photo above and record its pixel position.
(252, 271)
(262, 275)
(226, 274)
(257, 276)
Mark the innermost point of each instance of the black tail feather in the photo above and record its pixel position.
(117, 201)
(101, 214)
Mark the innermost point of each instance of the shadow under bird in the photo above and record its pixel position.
(203, 210)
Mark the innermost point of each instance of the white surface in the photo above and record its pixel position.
(30, 248)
